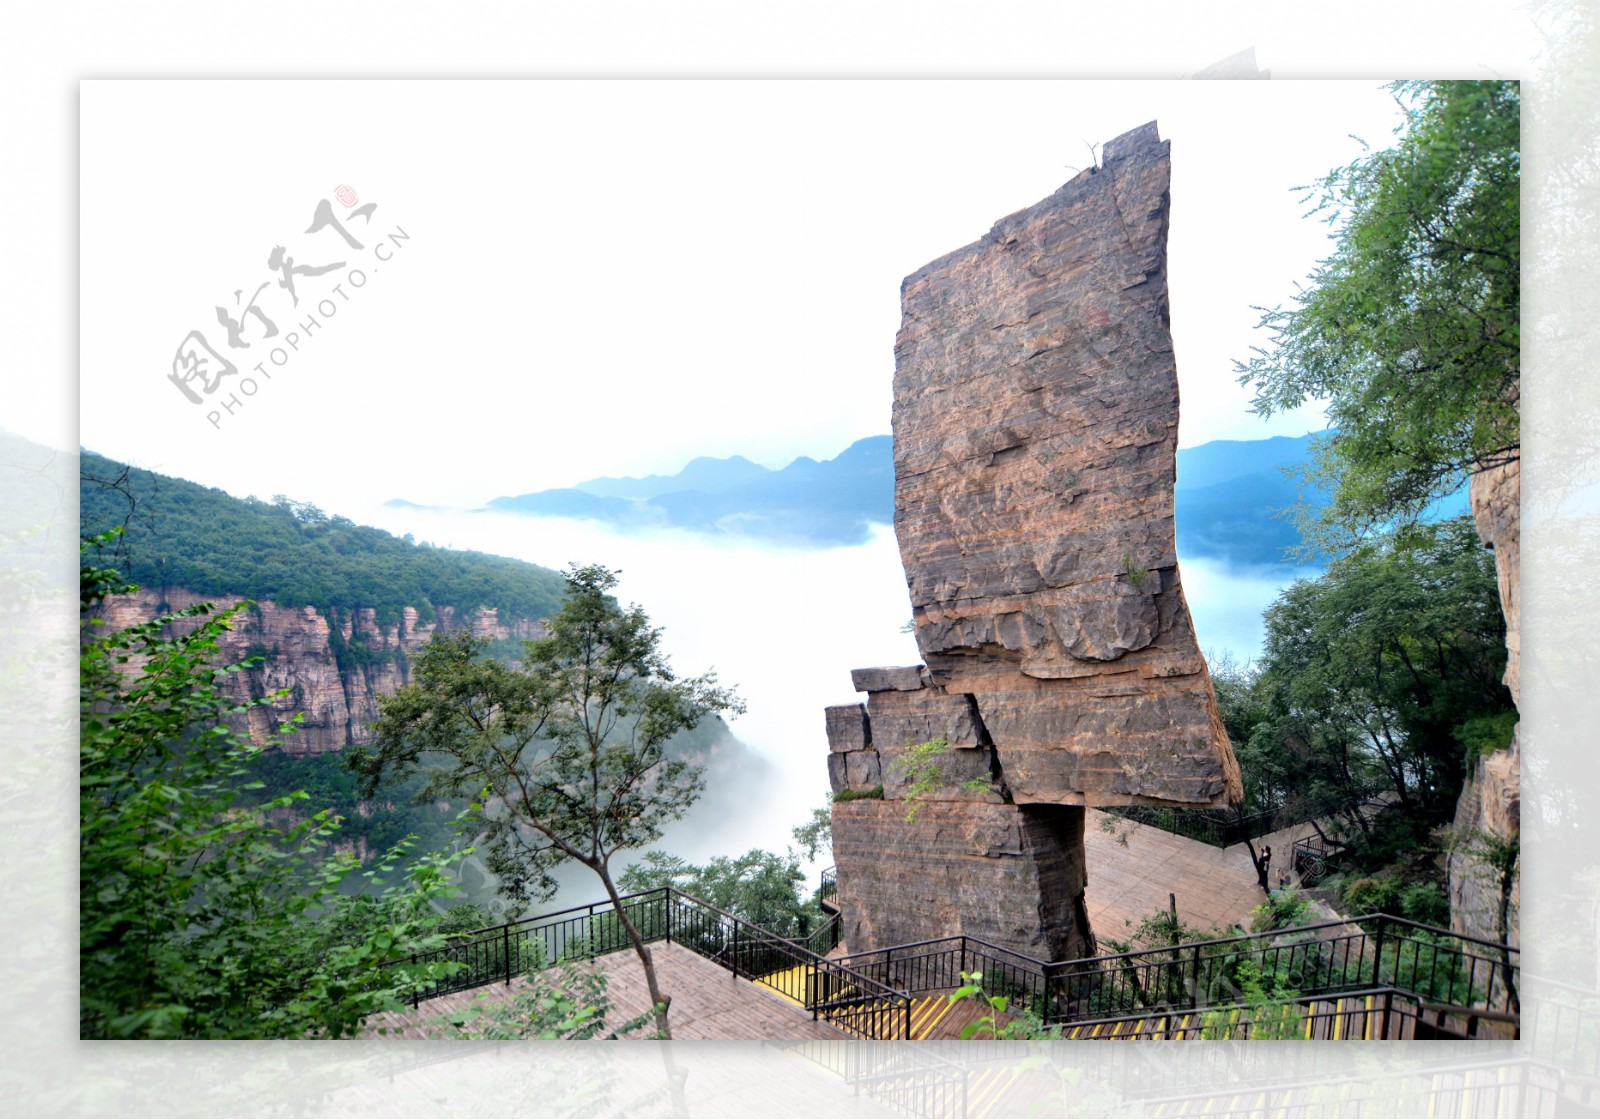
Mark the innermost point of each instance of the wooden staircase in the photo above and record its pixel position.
(1360, 1016)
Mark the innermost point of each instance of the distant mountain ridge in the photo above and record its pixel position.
(835, 501)
(1222, 460)
(1232, 498)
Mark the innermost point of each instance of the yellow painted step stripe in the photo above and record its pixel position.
(983, 1098)
(789, 981)
(926, 1014)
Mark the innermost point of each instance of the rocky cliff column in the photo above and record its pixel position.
(1035, 431)
(1491, 801)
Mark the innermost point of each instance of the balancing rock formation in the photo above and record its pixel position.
(1035, 437)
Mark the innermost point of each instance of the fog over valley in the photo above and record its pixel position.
(785, 625)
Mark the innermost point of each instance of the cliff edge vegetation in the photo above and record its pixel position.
(181, 534)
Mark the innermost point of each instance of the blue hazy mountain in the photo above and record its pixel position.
(707, 475)
(831, 502)
(1223, 460)
(1231, 498)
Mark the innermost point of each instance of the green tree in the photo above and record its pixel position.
(1379, 674)
(197, 917)
(564, 753)
(1267, 784)
(763, 888)
(816, 835)
(1410, 330)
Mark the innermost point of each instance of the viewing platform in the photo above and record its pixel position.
(708, 1002)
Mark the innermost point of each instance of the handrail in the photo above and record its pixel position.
(1474, 1012)
(877, 984)
(968, 938)
(1233, 1029)
(1111, 957)
(1223, 828)
(1324, 958)
(498, 951)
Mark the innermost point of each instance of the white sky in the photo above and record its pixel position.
(613, 277)
(610, 277)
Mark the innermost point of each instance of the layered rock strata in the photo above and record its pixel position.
(1035, 435)
(1491, 801)
(297, 647)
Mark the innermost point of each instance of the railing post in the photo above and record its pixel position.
(1194, 995)
(735, 953)
(1377, 952)
(666, 898)
(507, 942)
(1047, 977)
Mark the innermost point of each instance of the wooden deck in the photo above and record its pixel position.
(1214, 886)
(708, 1002)
(1127, 882)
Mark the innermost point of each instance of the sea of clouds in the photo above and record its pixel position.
(786, 626)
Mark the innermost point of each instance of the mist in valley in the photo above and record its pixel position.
(785, 626)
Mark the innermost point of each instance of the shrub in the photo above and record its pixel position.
(1486, 734)
(873, 794)
(1425, 903)
(1372, 896)
(1283, 909)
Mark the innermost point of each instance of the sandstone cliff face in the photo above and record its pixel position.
(1005, 874)
(1036, 426)
(1491, 800)
(1035, 434)
(297, 647)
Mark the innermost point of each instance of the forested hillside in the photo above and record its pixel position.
(180, 534)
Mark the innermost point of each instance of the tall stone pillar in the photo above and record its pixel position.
(1035, 433)
(1490, 804)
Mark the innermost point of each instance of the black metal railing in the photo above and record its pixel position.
(1470, 986)
(1220, 828)
(1372, 952)
(939, 964)
(1363, 1014)
(825, 938)
(1312, 858)
(857, 1004)
(1223, 828)
(512, 949)
(828, 887)
(914, 1080)
(1375, 951)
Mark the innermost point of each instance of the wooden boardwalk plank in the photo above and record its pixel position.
(708, 1002)
(1214, 887)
